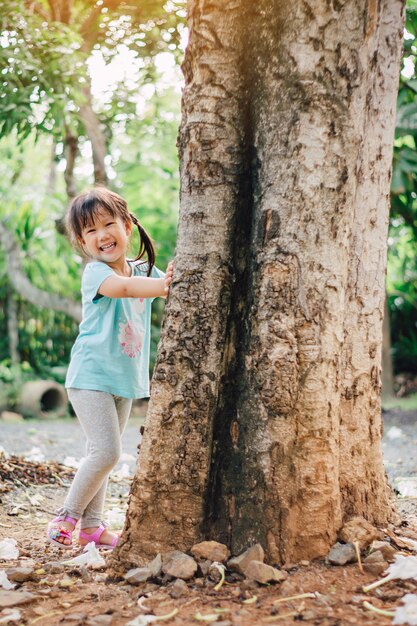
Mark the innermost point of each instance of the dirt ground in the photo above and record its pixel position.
(72, 595)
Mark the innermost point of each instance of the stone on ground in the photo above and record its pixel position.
(178, 565)
(263, 573)
(155, 566)
(20, 574)
(376, 568)
(211, 550)
(360, 530)
(375, 557)
(375, 563)
(241, 562)
(100, 620)
(15, 598)
(388, 551)
(178, 589)
(342, 553)
(138, 575)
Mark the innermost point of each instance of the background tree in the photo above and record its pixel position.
(264, 421)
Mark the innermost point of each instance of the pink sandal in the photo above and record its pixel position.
(95, 537)
(54, 532)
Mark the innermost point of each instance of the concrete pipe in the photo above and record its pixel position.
(44, 399)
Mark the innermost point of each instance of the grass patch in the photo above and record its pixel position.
(409, 403)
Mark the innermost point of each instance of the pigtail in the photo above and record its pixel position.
(146, 246)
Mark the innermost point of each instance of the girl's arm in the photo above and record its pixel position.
(137, 286)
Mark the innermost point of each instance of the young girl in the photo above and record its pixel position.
(110, 358)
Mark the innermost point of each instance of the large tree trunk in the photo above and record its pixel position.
(264, 420)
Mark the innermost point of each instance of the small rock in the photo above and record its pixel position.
(178, 565)
(54, 567)
(178, 589)
(358, 599)
(204, 567)
(86, 576)
(236, 592)
(100, 620)
(211, 550)
(155, 566)
(376, 568)
(199, 582)
(150, 588)
(138, 575)
(20, 574)
(224, 622)
(15, 598)
(342, 553)
(10, 416)
(249, 585)
(374, 557)
(78, 618)
(309, 615)
(388, 551)
(304, 563)
(288, 588)
(263, 573)
(240, 563)
(360, 530)
(100, 578)
(327, 600)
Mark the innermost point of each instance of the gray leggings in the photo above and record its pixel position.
(103, 418)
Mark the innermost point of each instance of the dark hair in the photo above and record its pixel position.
(86, 205)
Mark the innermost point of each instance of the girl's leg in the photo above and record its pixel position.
(96, 411)
(93, 514)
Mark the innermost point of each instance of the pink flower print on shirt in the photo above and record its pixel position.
(131, 339)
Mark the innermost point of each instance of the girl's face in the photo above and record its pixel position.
(106, 238)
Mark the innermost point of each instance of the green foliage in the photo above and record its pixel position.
(42, 67)
(12, 377)
(44, 48)
(402, 253)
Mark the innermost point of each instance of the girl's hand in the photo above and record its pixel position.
(168, 277)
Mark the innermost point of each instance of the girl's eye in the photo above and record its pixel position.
(110, 224)
(91, 230)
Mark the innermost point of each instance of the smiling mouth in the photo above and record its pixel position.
(108, 247)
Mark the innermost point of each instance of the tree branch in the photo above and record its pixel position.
(25, 288)
(35, 7)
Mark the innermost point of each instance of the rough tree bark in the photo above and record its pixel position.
(264, 420)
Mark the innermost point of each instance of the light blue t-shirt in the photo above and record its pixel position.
(111, 352)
